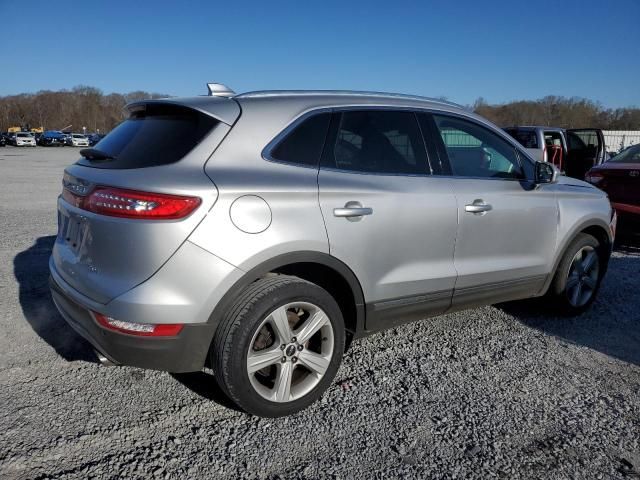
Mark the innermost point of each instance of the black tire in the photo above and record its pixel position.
(561, 292)
(240, 325)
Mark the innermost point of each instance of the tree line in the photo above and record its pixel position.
(82, 106)
(89, 107)
(554, 111)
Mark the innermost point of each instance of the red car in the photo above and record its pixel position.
(620, 178)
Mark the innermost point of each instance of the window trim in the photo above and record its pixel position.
(501, 134)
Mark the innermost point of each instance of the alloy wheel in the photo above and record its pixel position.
(583, 276)
(290, 352)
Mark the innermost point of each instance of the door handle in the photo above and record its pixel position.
(352, 209)
(478, 207)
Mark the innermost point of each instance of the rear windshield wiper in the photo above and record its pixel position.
(95, 154)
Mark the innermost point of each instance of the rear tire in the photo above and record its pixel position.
(279, 346)
(579, 275)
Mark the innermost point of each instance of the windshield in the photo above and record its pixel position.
(78, 136)
(629, 155)
(23, 135)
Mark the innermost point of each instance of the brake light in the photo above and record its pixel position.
(119, 202)
(594, 177)
(140, 329)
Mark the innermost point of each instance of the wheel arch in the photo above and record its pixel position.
(320, 268)
(595, 228)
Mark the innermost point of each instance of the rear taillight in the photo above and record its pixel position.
(119, 202)
(140, 329)
(594, 177)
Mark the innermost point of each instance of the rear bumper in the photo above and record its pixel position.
(185, 352)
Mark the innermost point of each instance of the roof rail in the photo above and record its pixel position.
(219, 90)
(275, 93)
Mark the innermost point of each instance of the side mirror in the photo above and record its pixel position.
(546, 173)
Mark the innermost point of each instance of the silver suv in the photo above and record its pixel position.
(258, 234)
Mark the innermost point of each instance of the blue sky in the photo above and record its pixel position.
(460, 49)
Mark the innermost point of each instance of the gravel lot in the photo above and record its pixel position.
(508, 392)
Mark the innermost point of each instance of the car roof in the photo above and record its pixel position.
(226, 108)
(347, 96)
(310, 99)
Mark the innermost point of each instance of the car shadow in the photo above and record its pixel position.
(31, 270)
(205, 385)
(612, 325)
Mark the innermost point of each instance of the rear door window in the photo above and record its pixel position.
(385, 142)
(159, 134)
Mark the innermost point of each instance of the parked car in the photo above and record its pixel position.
(23, 139)
(95, 138)
(77, 140)
(51, 138)
(258, 244)
(573, 151)
(620, 178)
(3, 141)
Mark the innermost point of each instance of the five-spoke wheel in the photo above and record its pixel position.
(279, 346)
(577, 278)
(290, 351)
(582, 280)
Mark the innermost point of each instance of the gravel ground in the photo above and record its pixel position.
(507, 392)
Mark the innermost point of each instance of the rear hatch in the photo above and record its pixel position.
(113, 232)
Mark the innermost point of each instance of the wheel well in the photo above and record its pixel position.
(602, 236)
(333, 282)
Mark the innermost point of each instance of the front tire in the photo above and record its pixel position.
(579, 275)
(279, 346)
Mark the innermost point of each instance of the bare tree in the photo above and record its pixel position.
(82, 106)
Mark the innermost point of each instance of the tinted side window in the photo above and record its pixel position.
(303, 145)
(475, 151)
(526, 138)
(379, 142)
(158, 135)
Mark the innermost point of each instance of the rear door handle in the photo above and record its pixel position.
(352, 212)
(478, 206)
(352, 209)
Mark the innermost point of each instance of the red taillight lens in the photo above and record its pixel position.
(594, 177)
(140, 329)
(119, 202)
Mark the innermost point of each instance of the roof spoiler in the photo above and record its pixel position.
(219, 90)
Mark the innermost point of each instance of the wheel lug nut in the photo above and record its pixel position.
(283, 346)
(294, 359)
(283, 359)
(300, 347)
(293, 340)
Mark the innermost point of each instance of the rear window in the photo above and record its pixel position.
(159, 134)
(526, 138)
(629, 155)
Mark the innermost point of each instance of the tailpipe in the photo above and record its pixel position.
(104, 361)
